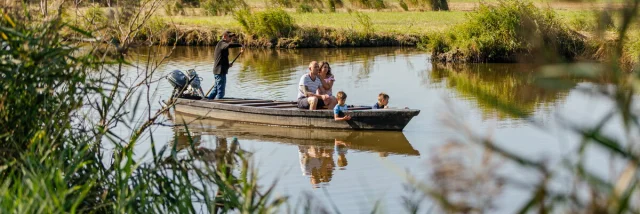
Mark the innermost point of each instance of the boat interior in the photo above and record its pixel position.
(270, 103)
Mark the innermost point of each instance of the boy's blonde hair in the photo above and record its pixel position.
(341, 95)
(382, 96)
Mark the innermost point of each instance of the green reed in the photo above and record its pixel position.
(60, 104)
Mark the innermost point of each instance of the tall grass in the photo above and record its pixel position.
(272, 23)
(59, 107)
(369, 4)
(508, 32)
(222, 7)
(435, 5)
(365, 22)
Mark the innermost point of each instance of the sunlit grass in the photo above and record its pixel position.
(383, 22)
(392, 22)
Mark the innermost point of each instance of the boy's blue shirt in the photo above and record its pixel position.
(378, 106)
(340, 109)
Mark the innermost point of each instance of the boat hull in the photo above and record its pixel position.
(389, 142)
(386, 119)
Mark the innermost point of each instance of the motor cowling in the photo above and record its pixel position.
(177, 79)
(194, 78)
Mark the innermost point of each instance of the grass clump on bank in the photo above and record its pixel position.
(509, 32)
(271, 24)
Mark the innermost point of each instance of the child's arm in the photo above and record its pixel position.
(338, 118)
(336, 113)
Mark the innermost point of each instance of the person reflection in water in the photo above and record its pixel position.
(341, 150)
(317, 162)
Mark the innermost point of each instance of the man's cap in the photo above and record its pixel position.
(229, 33)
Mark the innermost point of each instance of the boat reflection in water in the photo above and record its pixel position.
(316, 147)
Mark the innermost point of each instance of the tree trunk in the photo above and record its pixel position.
(43, 7)
(437, 5)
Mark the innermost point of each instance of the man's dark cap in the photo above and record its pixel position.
(229, 33)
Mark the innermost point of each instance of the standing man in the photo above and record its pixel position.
(221, 65)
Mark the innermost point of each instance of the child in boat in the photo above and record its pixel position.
(341, 108)
(383, 101)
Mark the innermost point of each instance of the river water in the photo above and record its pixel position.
(356, 170)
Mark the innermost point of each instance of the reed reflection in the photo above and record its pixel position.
(494, 86)
(320, 152)
(274, 66)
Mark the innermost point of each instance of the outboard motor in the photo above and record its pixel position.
(177, 79)
(195, 82)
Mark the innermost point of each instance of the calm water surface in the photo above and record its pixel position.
(354, 170)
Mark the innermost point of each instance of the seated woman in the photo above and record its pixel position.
(327, 84)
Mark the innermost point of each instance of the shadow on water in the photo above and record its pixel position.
(316, 147)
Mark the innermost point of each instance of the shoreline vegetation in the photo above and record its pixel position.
(451, 36)
(69, 122)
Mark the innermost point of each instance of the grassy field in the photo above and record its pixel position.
(393, 25)
(383, 22)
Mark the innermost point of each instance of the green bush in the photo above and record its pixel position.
(379, 4)
(504, 33)
(434, 5)
(365, 22)
(223, 7)
(95, 16)
(403, 5)
(174, 8)
(369, 4)
(283, 3)
(333, 4)
(191, 3)
(437, 5)
(271, 23)
(304, 8)
(582, 22)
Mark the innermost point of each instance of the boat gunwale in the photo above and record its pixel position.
(296, 112)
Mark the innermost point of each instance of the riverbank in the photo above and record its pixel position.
(324, 30)
(343, 28)
(370, 28)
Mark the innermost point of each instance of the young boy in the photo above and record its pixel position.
(383, 101)
(338, 111)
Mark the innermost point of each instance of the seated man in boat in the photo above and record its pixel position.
(309, 84)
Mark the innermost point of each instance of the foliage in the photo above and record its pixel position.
(403, 5)
(507, 32)
(434, 5)
(304, 8)
(283, 3)
(223, 7)
(438, 5)
(59, 107)
(174, 8)
(365, 22)
(95, 15)
(369, 4)
(583, 22)
(271, 23)
(333, 4)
